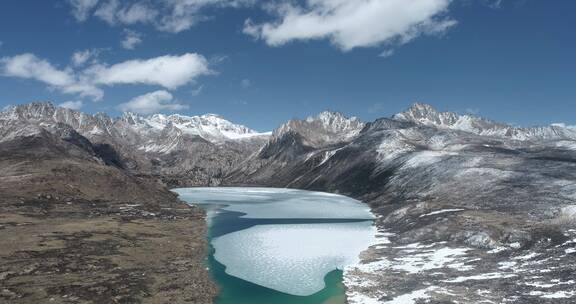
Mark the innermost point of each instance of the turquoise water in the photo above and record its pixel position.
(237, 291)
(233, 290)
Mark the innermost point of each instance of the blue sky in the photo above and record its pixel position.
(262, 62)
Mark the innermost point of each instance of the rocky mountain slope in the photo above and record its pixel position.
(469, 210)
(182, 150)
(76, 227)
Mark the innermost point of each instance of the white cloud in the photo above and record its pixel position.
(167, 15)
(85, 80)
(73, 105)
(114, 13)
(563, 125)
(131, 39)
(152, 103)
(183, 14)
(386, 53)
(81, 58)
(81, 9)
(167, 71)
(29, 66)
(350, 24)
(494, 4)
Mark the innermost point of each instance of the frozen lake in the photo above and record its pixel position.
(285, 240)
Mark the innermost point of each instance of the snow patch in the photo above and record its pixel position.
(410, 298)
(441, 211)
(428, 260)
(484, 276)
(426, 158)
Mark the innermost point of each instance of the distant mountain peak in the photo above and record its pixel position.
(327, 127)
(427, 115)
(32, 110)
(156, 133)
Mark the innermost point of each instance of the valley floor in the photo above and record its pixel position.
(76, 251)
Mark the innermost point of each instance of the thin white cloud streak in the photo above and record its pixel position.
(115, 12)
(181, 15)
(349, 24)
(563, 125)
(172, 16)
(73, 105)
(80, 58)
(81, 9)
(131, 39)
(153, 102)
(387, 53)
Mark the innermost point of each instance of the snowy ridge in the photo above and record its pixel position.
(155, 133)
(427, 115)
(325, 128)
(208, 126)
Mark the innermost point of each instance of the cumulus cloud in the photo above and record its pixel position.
(131, 39)
(73, 105)
(29, 66)
(81, 9)
(167, 71)
(153, 102)
(350, 24)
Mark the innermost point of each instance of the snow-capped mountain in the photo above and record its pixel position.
(465, 205)
(325, 128)
(469, 210)
(425, 114)
(210, 127)
(171, 145)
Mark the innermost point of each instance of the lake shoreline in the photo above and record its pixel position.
(221, 222)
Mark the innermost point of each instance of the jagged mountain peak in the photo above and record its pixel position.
(329, 114)
(31, 110)
(327, 127)
(208, 126)
(425, 114)
(212, 116)
(131, 118)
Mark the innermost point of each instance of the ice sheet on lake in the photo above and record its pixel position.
(293, 258)
(279, 203)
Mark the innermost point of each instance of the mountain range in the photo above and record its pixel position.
(469, 209)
